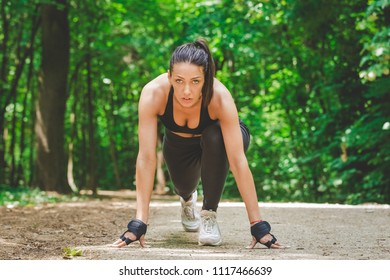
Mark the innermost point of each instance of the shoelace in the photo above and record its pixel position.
(208, 223)
(189, 213)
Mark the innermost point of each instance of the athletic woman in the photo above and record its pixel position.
(203, 138)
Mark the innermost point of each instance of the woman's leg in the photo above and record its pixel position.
(214, 164)
(183, 159)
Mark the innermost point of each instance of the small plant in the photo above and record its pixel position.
(72, 252)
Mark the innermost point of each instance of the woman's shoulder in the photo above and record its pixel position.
(155, 93)
(158, 84)
(222, 99)
(221, 93)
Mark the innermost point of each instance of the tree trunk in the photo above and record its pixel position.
(7, 95)
(114, 160)
(91, 173)
(73, 129)
(3, 82)
(50, 113)
(12, 146)
(70, 176)
(32, 147)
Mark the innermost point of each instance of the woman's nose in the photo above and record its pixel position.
(187, 89)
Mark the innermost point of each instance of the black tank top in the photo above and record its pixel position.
(169, 122)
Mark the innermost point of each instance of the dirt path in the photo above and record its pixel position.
(314, 232)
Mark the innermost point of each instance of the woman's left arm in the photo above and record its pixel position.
(228, 118)
(226, 111)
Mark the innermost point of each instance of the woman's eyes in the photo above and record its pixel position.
(195, 82)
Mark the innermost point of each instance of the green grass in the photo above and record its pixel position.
(24, 196)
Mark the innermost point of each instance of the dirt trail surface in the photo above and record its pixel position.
(313, 231)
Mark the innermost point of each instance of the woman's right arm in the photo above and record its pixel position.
(149, 106)
(146, 159)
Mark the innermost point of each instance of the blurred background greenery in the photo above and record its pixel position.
(310, 79)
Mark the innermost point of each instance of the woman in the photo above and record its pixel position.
(203, 138)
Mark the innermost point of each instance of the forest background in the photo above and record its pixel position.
(310, 79)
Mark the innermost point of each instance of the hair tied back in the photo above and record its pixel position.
(198, 45)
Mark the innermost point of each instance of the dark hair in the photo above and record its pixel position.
(197, 53)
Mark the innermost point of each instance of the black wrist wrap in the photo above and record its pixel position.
(260, 229)
(137, 227)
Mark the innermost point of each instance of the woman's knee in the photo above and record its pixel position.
(212, 137)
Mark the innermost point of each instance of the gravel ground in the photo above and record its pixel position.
(313, 231)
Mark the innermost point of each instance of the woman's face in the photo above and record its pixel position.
(187, 80)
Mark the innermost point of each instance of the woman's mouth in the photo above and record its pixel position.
(186, 100)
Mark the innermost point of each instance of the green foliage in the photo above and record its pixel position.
(69, 253)
(310, 80)
(25, 196)
(368, 138)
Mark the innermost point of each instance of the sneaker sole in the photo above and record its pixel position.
(218, 243)
(188, 229)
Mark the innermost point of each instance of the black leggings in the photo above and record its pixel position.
(204, 157)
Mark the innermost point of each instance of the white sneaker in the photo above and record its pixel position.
(189, 215)
(209, 233)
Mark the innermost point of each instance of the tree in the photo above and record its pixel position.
(50, 112)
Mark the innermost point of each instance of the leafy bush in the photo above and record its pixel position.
(23, 196)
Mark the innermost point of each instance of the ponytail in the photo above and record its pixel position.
(197, 53)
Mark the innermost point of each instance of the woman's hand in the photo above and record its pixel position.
(136, 230)
(120, 243)
(267, 238)
(261, 233)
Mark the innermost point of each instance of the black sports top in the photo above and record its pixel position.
(169, 122)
